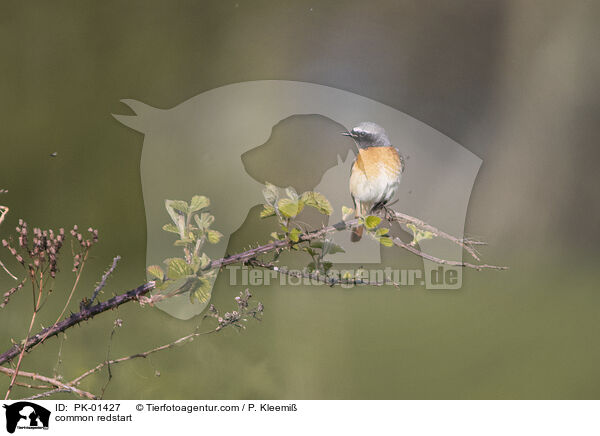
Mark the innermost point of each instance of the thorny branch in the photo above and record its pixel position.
(467, 244)
(318, 277)
(235, 318)
(248, 257)
(76, 318)
(44, 253)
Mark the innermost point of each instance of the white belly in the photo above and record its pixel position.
(373, 190)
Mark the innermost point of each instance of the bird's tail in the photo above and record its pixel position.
(356, 233)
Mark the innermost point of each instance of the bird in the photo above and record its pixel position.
(376, 171)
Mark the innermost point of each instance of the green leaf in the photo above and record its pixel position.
(198, 202)
(170, 228)
(178, 268)
(204, 261)
(290, 208)
(204, 221)
(169, 286)
(267, 211)
(310, 251)
(200, 290)
(214, 236)
(295, 235)
(176, 214)
(168, 260)
(372, 221)
(271, 194)
(211, 274)
(346, 212)
(318, 201)
(182, 242)
(180, 205)
(382, 231)
(331, 248)
(195, 264)
(156, 272)
(327, 266)
(316, 244)
(386, 241)
(418, 234)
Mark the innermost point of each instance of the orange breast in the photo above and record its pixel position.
(378, 161)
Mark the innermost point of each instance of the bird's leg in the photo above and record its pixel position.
(358, 213)
(387, 212)
(377, 206)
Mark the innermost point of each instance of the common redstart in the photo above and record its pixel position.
(376, 171)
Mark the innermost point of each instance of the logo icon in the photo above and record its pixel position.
(26, 415)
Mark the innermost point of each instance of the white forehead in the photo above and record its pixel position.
(369, 127)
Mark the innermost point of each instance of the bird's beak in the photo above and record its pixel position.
(347, 134)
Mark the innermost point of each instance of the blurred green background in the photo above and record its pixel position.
(515, 82)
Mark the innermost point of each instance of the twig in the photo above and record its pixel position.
(35, 311)
(73, 288)
(11, 291)
(116, 324)
(4, 210)
(46, 394)
(431, 258)
(466, 244)
(30, 386)
(7, 271)
(104, 278)
(145, 354)
(50, 380)
(59, 356)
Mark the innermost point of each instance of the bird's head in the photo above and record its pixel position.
(369, 134)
